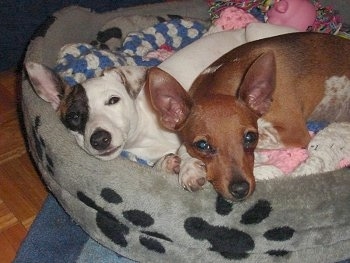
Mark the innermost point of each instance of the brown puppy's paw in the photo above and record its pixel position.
(169, 163)
(192, 176)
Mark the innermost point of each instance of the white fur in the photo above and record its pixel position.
(268, 136)
(336, 100)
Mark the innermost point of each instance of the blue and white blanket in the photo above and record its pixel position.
(80, 61)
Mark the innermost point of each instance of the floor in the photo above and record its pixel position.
(22, 193)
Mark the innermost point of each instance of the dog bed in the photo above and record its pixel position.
(142, 213)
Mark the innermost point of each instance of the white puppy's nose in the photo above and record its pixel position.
(100, 139)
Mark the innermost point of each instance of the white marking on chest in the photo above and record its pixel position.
(268, 136)
(335, 106)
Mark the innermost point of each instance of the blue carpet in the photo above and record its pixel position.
(55, 238)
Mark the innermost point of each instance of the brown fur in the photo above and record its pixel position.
(74, 105)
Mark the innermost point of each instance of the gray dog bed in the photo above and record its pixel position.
(144, 215)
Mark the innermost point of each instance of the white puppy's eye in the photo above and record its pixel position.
(113, 100)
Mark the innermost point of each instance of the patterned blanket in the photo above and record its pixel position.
(80, 61)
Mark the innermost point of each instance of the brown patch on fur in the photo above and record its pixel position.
(133, 79)
(74, 109)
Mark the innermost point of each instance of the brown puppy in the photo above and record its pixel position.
(259, 95)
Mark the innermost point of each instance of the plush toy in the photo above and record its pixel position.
(303, 15)
(300, 14)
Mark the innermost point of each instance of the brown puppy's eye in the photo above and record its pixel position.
(250, 139)
(113, 100)
(204, 146)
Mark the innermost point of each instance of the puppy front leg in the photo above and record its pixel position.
(169, 163)
(193, 174)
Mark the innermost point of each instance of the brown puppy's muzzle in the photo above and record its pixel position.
(239, 190)
(232, 185)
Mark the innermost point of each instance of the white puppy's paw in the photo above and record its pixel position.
(193, 174)
(169, 163)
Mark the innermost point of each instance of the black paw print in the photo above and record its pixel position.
(232, 243)
(40, 147)
(116, 231)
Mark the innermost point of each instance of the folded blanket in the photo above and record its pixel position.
(80, 61)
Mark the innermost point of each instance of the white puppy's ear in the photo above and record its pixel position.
(46, 83)
(133, 78)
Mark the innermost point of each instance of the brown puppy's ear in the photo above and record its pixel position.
(259, 84)
(168, 98)
(46, 83)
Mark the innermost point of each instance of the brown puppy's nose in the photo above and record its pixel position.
(100, 139)
(239, 190)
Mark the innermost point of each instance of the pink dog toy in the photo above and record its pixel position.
(234, 18)
(300, 14)
(286, 159)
